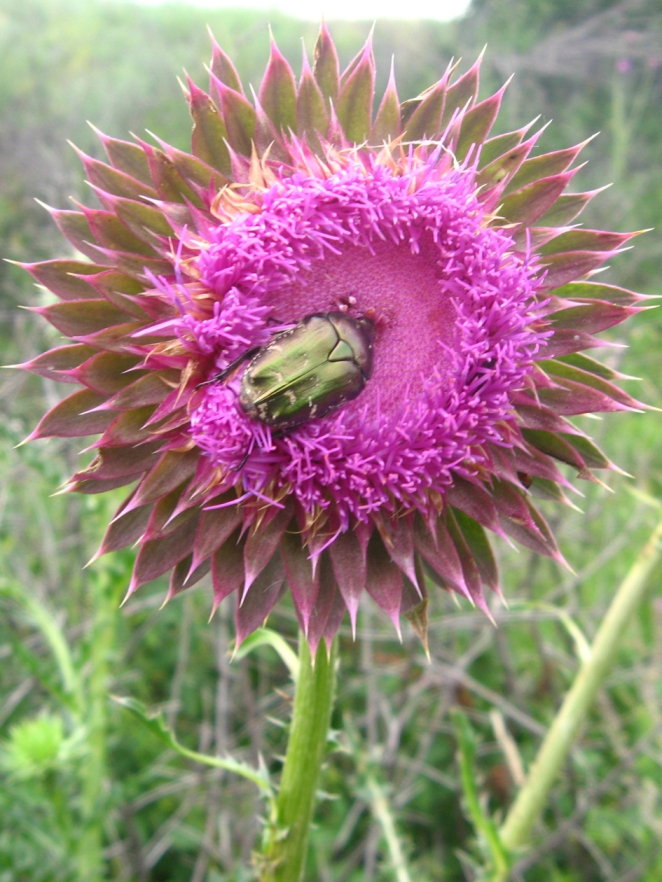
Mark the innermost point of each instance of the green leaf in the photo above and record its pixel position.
(76, 228)
(555, 446)
(110, 232)
(355, 100)
(61, 277)
(311, 113)
(325, 66)
(503, 166)
(493, 149)
(172, 469)
(223, 68)
(151, 388)
(126, 157)
(544, 488)
(267, 637)
(585, 240)
(477, 123)
(71, 417)
(566, 208)
(239, 117)
(461, 93)
(426, 118)
(387, 124)
(278, 92)
(139, 217)
(44, 620)
(485, 827)
(209, 131)
(110, 180)
(544, 166)
(476, 538)
(78, 318)
(170, 184)
(528, 204)
(574, 378)
(596, 291)
(590, 452)
(155, 723)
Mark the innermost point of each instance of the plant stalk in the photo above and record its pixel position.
(314, 692)
(556, 746)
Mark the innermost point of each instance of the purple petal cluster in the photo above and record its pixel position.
(452, 342)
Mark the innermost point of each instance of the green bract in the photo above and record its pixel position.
(308, 371)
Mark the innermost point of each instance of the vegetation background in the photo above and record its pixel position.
(86, 792)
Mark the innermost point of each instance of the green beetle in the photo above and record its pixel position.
(309, 370)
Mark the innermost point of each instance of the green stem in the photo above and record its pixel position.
(286, 848)
(554, 750)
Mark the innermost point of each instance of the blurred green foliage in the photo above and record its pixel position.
(87, 793)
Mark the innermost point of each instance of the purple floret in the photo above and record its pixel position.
(454, 306)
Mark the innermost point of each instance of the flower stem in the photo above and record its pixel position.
(554, 750)
(286, 849)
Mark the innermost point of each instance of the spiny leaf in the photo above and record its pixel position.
(75, 226)
(127, 428)
(545, 166)
(589, 317)
(477, 123)
(169, 472)
(209, 131)
(156, 557)
(387, 125)
(528, 204)
(566, 208)
(384, 580)
(73, 416)
(325, 67)
(61, 277)
(117, 462)
(260, 599)
(59, 364)
(461, 93)
(278, 92)
(239, 117)
(111, 233)
(495, 147)
(425, 121)
(79, 318)
(312, 117)
(126, 157)
(355, 100)
(595, 290)
(111, 180)
(156, 724)
(223, 68)
(107, 372)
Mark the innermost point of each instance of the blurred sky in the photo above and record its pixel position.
(442, 10)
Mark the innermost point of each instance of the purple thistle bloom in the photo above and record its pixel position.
(456, 249)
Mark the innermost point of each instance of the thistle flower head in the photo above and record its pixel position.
(330, 348)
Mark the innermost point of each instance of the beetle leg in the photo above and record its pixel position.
(245, 458)
(225, 373)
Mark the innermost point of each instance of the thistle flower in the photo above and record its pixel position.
(331, 348)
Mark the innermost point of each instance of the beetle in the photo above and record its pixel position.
(307, 371)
